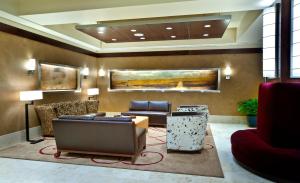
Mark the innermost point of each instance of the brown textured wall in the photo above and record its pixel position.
(247, 74)
(14, 51)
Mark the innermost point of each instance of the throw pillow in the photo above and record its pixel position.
(45, 115)
(92, 106)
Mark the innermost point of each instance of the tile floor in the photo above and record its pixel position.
(24, 171)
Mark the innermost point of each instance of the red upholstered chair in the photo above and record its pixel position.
(273, 149)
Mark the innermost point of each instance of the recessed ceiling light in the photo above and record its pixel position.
(101, 32)
(143, 38)
(139, 34)
(133, 30)
(169, 28)
(113, 39)
(207, 26)
(173, 37)
(205, 35)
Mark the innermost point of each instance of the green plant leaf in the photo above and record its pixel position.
(248, 107)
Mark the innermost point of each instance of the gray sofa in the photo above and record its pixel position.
(99, 135)
(157, 111)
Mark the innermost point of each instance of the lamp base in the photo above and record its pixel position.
(36, 141)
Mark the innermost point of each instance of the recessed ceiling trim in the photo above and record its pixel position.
(144, 11)
(162, 29)
(24, 24)
(173, 19)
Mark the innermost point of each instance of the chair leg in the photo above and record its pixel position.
(133, 158)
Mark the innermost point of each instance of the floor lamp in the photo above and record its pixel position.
(29, 97)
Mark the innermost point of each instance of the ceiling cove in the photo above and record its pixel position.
(170, 28)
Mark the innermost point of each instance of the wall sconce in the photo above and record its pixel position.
(85, 72)
(30, 66)
(101, 72)
(227, 72)
(92, 92)
(29, 97)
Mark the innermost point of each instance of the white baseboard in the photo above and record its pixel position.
(18, 137)
(227, 119)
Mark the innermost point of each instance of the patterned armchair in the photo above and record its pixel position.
(186, 128)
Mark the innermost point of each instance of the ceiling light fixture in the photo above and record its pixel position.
(113, 39)
(133, 30)
(173, 37)
(143, 38)
(207, 26)
(169, 28)
(205, 35)
(101, 32)
(139, 34)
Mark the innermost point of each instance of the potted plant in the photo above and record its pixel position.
(249, 108)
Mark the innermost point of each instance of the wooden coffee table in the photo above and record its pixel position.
(141, 121)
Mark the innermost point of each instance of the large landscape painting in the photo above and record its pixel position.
(165, 80)
(57, 77)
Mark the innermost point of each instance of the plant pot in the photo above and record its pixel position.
(252, 121)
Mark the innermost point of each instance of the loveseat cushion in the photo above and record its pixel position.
(139, 105)
(66, 108)
(121, 119)
(45, 114)
(145, 113)
(159, 106)
(80, 107)
(92, 106)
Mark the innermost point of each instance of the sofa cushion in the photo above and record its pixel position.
(139, 105)
(145, 113)
(92, 106)
(45, 115)
(159, 106)
(66, 108)
(78, 117)
(121, 119)
(80, 107)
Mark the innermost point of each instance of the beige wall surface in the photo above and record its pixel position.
(246, 77)
(14, 51)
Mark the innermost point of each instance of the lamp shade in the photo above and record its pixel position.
(31, 95)
(93, 91)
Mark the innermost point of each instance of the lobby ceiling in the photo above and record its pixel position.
(78, 23)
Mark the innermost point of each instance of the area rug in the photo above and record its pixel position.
(153, 158)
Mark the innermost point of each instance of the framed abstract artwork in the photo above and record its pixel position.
(197, 80)
(53, 77)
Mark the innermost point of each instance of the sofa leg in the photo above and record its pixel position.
(57, 154)
(133, 158)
